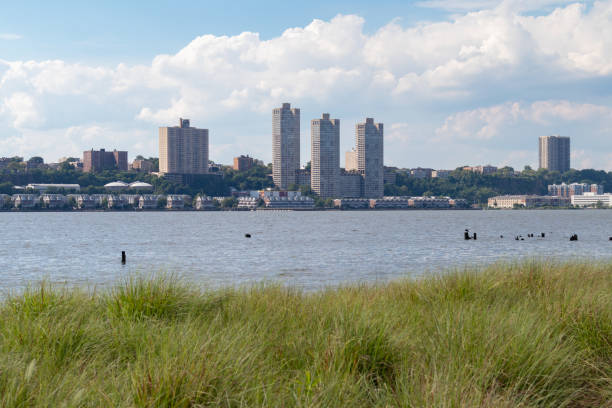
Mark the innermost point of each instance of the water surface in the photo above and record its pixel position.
(305, 249)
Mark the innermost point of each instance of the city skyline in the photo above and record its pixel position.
(506, 73)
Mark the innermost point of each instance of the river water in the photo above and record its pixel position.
(303, 249)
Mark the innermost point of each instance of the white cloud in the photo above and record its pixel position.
(10, 36)
(489, 122)
(406, 76)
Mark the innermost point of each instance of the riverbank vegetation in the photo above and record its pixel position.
(477, 188)
(511, 335)
(474, 187)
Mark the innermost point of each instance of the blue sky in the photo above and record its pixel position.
(134, 31)
(455, 81)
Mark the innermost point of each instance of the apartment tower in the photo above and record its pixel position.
(369, 142)
(285, 145)
(555, 153)
(99, 160)
(183, 149)
(325, 156)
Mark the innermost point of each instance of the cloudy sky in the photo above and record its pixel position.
(455, 82)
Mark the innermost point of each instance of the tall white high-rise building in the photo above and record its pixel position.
(369, 142)
(325, 156)
(555, 153)
(285, 145)
(183, 149)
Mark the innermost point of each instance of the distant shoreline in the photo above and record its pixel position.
(45, 210)
(53, 210)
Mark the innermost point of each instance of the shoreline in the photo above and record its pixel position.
(50, 210)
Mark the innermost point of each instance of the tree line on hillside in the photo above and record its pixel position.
(477, 188)
(474, 187)
(16, 174)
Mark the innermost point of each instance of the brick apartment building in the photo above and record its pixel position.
(99, 160)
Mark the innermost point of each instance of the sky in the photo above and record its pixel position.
(455, 82)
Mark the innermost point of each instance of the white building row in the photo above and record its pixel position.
(592, 200)
(85, 201)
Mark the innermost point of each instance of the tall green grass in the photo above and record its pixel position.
(531, 334)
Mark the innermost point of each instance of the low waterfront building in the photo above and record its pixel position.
(132, 199)
(53, 200)
(4, 199)
(141, 186)
(247, 203)
(148, 201)
(24, 200)
(204, 203)
(44, 187)
(458, 203)
(116, 186)
(429, 202)
(280, 194)
(84, 201)
(527, 201)
(101, 199)
(118, 201)
(175, 201)
(589, 199)
(289, 203)
(389, 203)
(352, 203)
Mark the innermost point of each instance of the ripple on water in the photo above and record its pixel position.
(306, 249)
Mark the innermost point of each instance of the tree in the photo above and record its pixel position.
(229, 202)
(6, 188)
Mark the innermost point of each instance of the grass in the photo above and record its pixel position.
(531, 334)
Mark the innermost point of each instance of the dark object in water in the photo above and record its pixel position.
(123, 257)
(247, 235)
(543, 235)
(501, 236)
(466, 234)
(516, 238)
(574, 237)
(474, 237)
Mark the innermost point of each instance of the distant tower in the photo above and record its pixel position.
(555, 153)
(183, 149)
(325, 156)
(369, 142)
(285, 145)
(350, 159)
